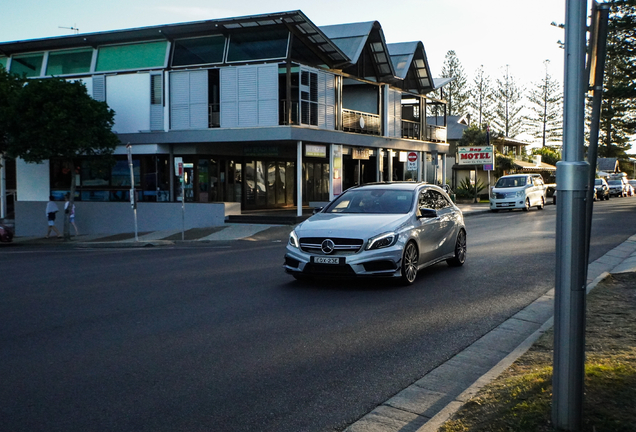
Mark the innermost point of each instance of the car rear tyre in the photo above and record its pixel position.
(410, 259)
(527, 206)
(460, 251)
(542, 204)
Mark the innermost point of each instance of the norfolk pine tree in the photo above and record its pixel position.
(618, 110)
(456, 92)
(507, 98)
(480, 97)
(53, 118)
(545, 120)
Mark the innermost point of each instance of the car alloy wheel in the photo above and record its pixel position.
(527, 206)
(460, 251)
(409, 263)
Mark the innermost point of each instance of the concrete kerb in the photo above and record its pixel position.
(432, 400)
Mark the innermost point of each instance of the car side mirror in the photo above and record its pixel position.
(428, 213)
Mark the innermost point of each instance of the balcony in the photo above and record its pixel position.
(411, 129)
(436, 133)
(361, 122)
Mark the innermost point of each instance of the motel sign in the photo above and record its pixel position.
(475, 155)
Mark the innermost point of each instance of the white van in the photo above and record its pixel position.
(520, 191)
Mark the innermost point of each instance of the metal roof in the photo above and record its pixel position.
(411, 57)
(296, 21)
(353, 37)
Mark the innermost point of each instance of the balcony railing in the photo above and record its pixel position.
(435, 133)
(411, 129)
(361, 122)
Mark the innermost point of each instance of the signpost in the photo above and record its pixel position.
(411, 159)
(133, 201)
(178, 168)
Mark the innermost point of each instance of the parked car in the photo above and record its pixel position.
(391, 229)
(617, 187)
(602, 189)
(632, 183)
(518, 191)
(6, 234)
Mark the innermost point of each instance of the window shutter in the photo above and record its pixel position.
(247, 96)
(268, 95)
(397, 100)
(156, 102)
(229, 97)
(99, 88)
(199, 99)
(179, 100)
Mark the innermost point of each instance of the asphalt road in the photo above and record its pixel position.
(218, 338)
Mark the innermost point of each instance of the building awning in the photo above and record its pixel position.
(533, 167)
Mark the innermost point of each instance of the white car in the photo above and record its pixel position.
(518, 191)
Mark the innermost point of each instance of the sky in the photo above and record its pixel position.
(492, 33)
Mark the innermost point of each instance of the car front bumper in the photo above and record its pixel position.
(384, 262)
(507, 203)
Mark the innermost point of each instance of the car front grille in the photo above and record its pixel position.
(342, 246)
(326, 270)
(500, 195)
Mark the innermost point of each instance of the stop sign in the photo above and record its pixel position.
(412, 157)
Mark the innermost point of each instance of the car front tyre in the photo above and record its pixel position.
(460, 251)
(410, 258)
(527, 205)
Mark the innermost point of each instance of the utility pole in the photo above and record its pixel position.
(571, 266)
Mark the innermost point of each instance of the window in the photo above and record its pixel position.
(133, 56)
(29, 65)
(258, 45)
(156, 92)
(204, 50)
(309, 98)
(69, 62)
(3, 61)
(432, 199)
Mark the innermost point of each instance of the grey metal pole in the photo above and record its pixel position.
(3, 188)
(571, 265)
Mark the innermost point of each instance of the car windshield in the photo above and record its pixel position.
(615, 182)
(381, 201)
(507, 182)
(598, 182)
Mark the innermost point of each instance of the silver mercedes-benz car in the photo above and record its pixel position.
(382, 229)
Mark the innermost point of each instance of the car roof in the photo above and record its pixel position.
(405, 185)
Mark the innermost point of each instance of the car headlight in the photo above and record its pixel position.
(293, 240)
(521, 193)
(382, 241)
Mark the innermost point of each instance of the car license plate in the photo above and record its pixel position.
(326, 260)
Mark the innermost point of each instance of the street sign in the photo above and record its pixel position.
(411, 161)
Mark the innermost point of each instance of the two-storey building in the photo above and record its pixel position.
(266, 111)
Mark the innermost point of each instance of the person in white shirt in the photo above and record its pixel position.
(71, 212)
(51, 210)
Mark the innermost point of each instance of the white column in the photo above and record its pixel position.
(424, 165)
(443, 169)
(299, 178)
(420, 164)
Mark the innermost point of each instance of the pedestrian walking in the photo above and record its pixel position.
(51, 210)
(70, 212)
